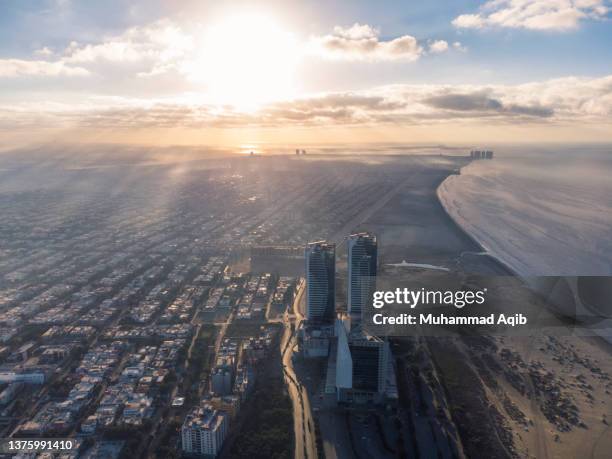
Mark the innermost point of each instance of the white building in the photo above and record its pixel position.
(204, 431)
(28, 378)
(362, 364)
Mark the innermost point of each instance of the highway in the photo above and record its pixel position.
(305, 439)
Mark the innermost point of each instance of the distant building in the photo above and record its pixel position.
(89, 425)
(320, 281)
(204, 431)
(244, 383)
(481, 154)
(229, 404)
(23, 353)
(362, 364)
(28, 378)
(221, 381)
(316, 341)
(362, 265)
(9, 392)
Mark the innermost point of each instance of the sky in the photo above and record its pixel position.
(313, 72)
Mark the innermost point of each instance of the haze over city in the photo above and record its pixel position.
(212, 215)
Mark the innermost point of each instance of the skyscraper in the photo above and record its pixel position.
(320, 281)
(362, 263)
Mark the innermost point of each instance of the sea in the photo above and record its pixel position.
(540, 211)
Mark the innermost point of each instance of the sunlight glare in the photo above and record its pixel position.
(246, 60)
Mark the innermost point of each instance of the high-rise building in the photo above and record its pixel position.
(320, 281)
(362, 364)
(204, 431)
(481, 154)
(362, 263)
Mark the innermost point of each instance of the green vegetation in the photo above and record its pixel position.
(267, 432)
(169, 438)
(246, 328)
(169, 381)
(198, 364)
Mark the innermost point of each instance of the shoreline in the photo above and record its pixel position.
(545, 296)
(470, 236)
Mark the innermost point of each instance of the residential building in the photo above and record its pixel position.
(320, 281)
(204, 431)
(362, 265)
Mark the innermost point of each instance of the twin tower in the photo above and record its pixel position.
(321, 277)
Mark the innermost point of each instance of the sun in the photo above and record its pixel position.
(246, 60)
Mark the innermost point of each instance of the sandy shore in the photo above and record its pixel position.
(545, 396)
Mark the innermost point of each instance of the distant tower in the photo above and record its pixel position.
(362, 265)
(320, 281)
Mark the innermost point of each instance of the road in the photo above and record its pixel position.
(304, 428)
(160, 415)
(221, 334)
(61, 375)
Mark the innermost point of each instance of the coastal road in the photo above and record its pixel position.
(305, 440)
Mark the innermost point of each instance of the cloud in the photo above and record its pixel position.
(168, 53)
(469, 21)
(44, 52)
(558, 15)
(114, 51)
(565, 101)
(459, 47)
(18, 67)
(361, 42)
(438, 46)
(154, 49)
(481, 102)
(342, 108)
(160, 42)
(412, 104)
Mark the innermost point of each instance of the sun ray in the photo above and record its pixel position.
(246, 60)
